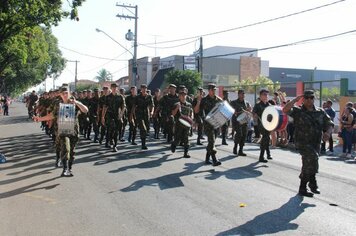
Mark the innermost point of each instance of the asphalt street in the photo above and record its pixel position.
(155, 192)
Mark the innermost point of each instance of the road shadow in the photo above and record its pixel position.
(167, 181)
(242, 172)
(13, 120)
(274, 221)
(29, 188)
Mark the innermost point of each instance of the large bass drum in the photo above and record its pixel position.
(220, 114)
(274, 119)
(66, 119)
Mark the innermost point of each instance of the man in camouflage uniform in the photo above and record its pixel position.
(258, 110)
(102, 101)
(143, 109)
(86, 121)
(198, 117)
(225, 127)
(124, 119)
(113, 111)
(182, 109)
(81, 96)
(167, 103)
(240, 105)
(93, 116)
(130, 103)
(207, 104)
(66, 142)
(157, 113)
(311, 124)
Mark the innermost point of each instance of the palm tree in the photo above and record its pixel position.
(103, 75)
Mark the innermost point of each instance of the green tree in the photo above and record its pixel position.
(249, 85)
(103, 76)
(20, 55)
(191, 79)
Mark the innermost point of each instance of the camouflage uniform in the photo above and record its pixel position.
(85, 118)
(93, 118)
(113, 122)
(101, 126)
(309, 127)
(156, 117)
(240, 129)
(167, 104)
(264, 144)
(198, 118)
(207, 104)
(130, 103)
(181, 131)
(142, 105)
(65, 143)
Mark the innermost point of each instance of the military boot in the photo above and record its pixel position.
(269, 157)
(129, 138)
(216, 161)
(224, 141)
(144, 147)
(303, 191)
(133, 139)
(234, 150)
(207, 159)
(313, 185)
(186, 154)
(241, 153)
(96, 138)
(66, 172)
(58, 159)
(262, 159)
(173, 148)
(198, 141)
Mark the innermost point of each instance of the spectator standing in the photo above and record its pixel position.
(346, 132)
(331, 112)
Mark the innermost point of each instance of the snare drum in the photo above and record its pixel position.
(274, 119)
(186, 121)
(220, 114)
(243, 118)
(66, 119)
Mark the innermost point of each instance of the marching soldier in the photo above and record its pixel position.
(311, 124)
(207, 104)
(93, 116)
(258, 110)
(225, 127)
(130, 102)
(198, 117)
(66, 143)
(81, 116)
(167, 104)
(183, 110)
(143, 110)
(124, 119)
(112, 116)
(102, 101)
(156, 114)
(240, 105)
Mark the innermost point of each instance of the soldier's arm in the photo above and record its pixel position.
(81, 106)
(290, 104)
(197, 106)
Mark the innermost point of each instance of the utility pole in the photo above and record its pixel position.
(201, 58)
(76, 73)
(132, 15)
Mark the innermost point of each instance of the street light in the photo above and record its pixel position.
(132, 37)
(101, 31)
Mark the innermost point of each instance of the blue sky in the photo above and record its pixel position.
(163, 20)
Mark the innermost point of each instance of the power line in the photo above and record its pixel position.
(97, 57)
(175, 46)
(249, 25)
(286, 45)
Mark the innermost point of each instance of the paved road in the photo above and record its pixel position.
(154, 192)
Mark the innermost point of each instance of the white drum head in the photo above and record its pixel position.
(184, 122)
(270, 118)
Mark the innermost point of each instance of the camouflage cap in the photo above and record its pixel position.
(240, 91)
(211, 86)
(63, 89)
(143, 85)
(105, 88)
(225, 92)
(172, 86)
(113, 85)
(264, 90)
(308, 93)
(96, 90)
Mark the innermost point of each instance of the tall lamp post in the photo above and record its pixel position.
(127, 50)
(131, 36)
